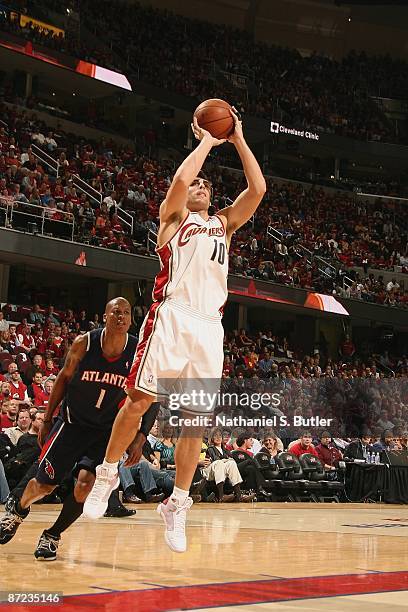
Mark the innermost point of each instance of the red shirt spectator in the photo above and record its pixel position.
(304, 445)
(50, 368)
(36, 391)
(5, 422)
(40, 397)
(17, 387)
(23, 327)
(328, 455)
(10, 418)
(347, 348)
(27, 342)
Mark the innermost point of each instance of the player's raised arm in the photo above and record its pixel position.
(248, 200)
(174, 207)
(74, 356)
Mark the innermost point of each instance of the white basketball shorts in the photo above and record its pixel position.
(179, 348)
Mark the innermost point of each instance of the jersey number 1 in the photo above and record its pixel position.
(100, 398)
(220, 247)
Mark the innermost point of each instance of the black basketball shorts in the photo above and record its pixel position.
(69, 445)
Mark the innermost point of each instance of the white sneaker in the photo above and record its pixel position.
(97, 501)
(174, 517)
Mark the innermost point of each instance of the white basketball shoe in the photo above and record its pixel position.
(107, 480)
(174, 517)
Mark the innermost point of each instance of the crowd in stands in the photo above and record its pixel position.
(316, 92)
(310, 223)
(320, 235)
(178, 54)
(64, 41)
(30, 187)
(359, 391)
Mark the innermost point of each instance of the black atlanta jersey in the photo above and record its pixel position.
(98, 387)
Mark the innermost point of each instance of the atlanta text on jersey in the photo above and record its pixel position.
(117, 380)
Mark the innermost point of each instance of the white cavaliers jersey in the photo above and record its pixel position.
(194, 266)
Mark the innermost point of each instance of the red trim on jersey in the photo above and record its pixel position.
(218, 215)
(121, 404)
(47, 444)
(141, 348)
(112, 359)
(163, 276)
(170, 239)
(221, 310)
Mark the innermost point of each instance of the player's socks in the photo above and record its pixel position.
(179, 496)
(110, 466)
(106, 481)
(13, 518)
(70, 512)
(174, 516)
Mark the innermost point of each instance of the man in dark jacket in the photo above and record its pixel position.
(248, 467)
(27, 451)
(223, 467)
(359, 448)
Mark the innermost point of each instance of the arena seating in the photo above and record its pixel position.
(181, 55)
(314, 93)
(68, 44)
(265, 362)
(307, 221)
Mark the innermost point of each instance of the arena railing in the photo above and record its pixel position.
(274, 233)
(151, 242)
(34, 219)
(126, 218)
(77, 181)
(347, 282)
(310, 256)
(46, 159)
(87, 189)
(81, 185)
(397, 219)
(278, 237)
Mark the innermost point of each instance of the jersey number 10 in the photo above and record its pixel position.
(220, 248)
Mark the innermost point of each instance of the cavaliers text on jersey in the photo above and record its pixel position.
(194, 265)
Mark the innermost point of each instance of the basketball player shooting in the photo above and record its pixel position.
(182, 335)
(91, 389)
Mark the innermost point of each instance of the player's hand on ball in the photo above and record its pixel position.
(135, 450)
(200, 134)
(237, 134)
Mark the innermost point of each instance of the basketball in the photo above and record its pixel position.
(214, 116)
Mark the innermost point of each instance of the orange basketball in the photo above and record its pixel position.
(214, 116)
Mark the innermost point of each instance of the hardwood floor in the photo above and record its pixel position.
(263, 556)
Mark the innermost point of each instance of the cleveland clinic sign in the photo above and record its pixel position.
(278, 128)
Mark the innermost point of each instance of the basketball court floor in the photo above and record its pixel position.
(264, 556)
